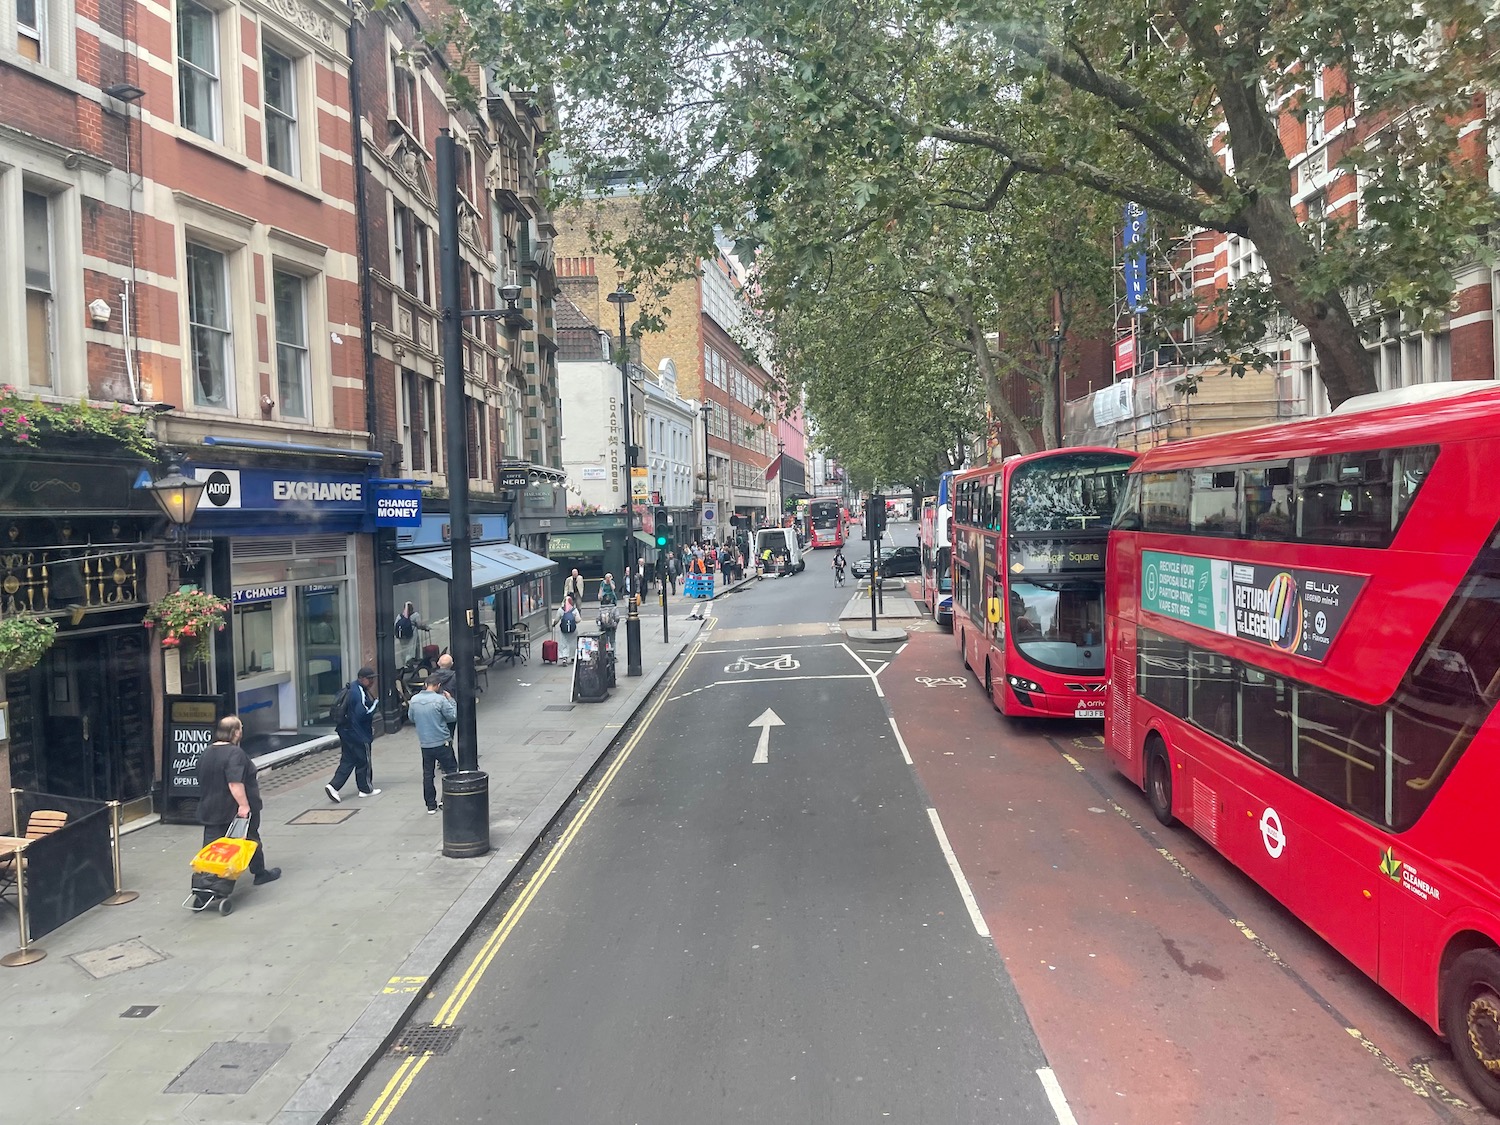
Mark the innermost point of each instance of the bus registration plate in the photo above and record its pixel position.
(1087, 712)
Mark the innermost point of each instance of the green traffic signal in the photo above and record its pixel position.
(661, 540)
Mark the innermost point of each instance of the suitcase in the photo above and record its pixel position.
(549, 652)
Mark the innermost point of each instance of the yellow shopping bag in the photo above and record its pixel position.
(228, 856)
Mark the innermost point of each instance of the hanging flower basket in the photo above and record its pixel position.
(185, 620)
(24, 641)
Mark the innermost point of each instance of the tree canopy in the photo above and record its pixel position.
(745, 115)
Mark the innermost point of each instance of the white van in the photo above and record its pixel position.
(779, 541)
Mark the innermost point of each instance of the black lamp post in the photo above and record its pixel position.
(620, 298)
(780, 482)
(466, 794)
(706, 409)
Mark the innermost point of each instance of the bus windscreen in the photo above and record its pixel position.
(1065, 492)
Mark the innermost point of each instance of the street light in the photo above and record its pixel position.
(620, 298)
(780, 481)
(706, 409)
(177, 496)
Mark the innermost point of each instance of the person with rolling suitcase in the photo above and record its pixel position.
(228, 792)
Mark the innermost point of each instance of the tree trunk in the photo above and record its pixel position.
(1346, 367)
(994, 390)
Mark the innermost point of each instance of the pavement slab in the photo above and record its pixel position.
(320, 963)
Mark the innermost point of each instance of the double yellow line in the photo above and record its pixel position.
(463, 988)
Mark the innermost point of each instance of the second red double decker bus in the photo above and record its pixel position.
(825, 522)
(1028, 577)
(1304, 640)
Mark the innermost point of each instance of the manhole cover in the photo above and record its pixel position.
(118, 958)
(548, 738)
(323, 816)
(428, 1038)
(138, 1011)
(558, 707)
(227, 1068)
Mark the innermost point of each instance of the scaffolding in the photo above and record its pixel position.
(1180, 401)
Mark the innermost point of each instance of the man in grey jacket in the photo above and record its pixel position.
(432, 711)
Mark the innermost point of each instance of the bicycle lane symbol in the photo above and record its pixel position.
(942, 681)
(783, 663)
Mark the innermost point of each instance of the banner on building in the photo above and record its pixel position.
(640, 484)
(1124, 354)
(1134, 241)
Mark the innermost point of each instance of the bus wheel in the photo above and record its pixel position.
(1471, 1019)
(963, 648)
(989, 687)
(1159, 781)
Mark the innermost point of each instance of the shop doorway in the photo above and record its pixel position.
(80, 719)
(320, 650)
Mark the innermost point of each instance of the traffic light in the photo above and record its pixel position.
(659, 521)
(875, 517)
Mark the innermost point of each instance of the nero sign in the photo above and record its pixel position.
(398, 507)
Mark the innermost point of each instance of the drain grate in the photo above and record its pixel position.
(427, 1038)
(548, 738)
(558, 707)
(138, 1011)
(323, 816)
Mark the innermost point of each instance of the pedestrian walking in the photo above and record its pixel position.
(411, 631)
(573, 587)
(433, 712)
(607, 594)
(228, 791)
(353, 711)
(642, 578)
(567, 627)
(674, 568)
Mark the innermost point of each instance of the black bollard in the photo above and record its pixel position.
(466, 814)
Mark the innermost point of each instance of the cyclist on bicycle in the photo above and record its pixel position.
(838, 566)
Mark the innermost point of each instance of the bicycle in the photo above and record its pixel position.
(838, 575)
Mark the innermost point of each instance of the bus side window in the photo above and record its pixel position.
(1265, 717)
(1213, 505)
(1164, 500)
(1340, 751)
(1451, 689)
(1268, 501)
(1346, 498)
(1161, 671)
(1412, 467)
(1128, 510)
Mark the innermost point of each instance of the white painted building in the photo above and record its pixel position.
(669, 441)
(593, 437)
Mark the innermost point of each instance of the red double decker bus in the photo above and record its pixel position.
(826, 520)
(1304, 640)
(1028, 577)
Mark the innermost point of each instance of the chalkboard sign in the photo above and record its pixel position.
(186, 733)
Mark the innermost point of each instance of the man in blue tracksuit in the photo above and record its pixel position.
(433, 711)
(356, 731)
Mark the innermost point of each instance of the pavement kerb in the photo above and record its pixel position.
(356, 1051)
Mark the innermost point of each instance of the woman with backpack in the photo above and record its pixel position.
(567, 629)
(607, 594)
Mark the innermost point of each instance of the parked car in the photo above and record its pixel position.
(895, 562)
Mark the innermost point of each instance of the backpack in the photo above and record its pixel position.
(404, 629)
(339, 712)
(568, 623)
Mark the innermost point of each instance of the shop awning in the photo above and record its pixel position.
(494, 564)
(649, 540)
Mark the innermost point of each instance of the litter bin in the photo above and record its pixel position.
(590, 671)
(466, 814)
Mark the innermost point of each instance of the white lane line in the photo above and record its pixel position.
(883, 666)
(902, 649)
(873, 679)
(958, 875)
(1055, 1096)
(732, 647)
(901, 742)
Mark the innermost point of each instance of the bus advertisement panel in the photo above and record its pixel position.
(1028, 583)
(826, 523)
(1304, 641)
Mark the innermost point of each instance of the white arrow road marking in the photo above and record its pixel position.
(767, 720)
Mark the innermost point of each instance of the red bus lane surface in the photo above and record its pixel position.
(1164, 985)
